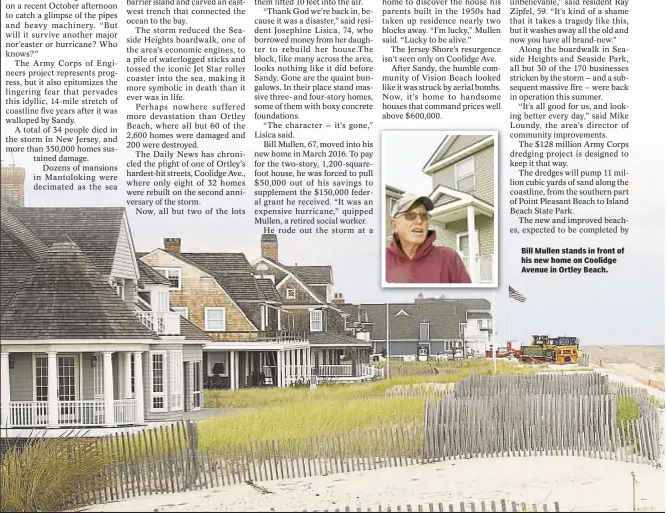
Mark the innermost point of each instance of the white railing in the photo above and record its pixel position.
(28, 413)
(162, 323)
(80, 413)
(124, 411)
(70, 413)
(333, 371)
(369, 370)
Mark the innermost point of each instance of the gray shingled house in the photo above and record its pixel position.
(429, 326)
(86, 332)
(307, 295)
(251, 340)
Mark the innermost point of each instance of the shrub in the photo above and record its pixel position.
(50, 474)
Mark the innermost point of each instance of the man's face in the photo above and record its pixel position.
(411, 226)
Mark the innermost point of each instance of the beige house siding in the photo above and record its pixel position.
(483, 175)
(199, 291)
(449, 236)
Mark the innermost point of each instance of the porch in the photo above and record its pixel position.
(71, 389)
(279, 363)
(467, 224)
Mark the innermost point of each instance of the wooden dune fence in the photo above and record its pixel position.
(462, 506)
(512, 386)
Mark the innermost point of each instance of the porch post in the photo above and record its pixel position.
(299, 363)
(279, 321)
(280, 369)
(52, 389)
(128, 375)
(109, 413)
(138, 387)
(4, 390)
(472, 265)
(232, 370)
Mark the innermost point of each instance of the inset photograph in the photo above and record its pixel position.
(440, 194)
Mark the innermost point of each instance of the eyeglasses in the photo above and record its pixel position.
(411, 216)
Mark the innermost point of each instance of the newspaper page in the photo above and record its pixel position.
(353, 245)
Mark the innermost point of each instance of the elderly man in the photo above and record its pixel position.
(411, 256)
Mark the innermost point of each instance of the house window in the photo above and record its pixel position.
(424, 331)
(66, 379)
(196, 399)
(132, 373)
(218, 364)
(173, 274)
(184, 311)
(176, 380)
(291, 293)
(42, 378)
(465, 181)
(157, 379)
(266, 277)
(98, 377)
(119, 287)
(215, 319)
(463, 244)
(316, 320)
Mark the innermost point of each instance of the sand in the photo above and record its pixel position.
(650, 358)
(577, 483)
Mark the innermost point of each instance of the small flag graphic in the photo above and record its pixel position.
(514, 294)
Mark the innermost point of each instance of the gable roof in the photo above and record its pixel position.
(148, 275)
(443, 319)
(66, 297)
(95, 230)
(20, 252)
(313, 274)
(442, 156)
(289, 273)
(268, 288)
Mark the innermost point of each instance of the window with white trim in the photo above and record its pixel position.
(316, 320)
(465, 181)
(41, 378)
(184, 311)
(157, 381)
(98, 376)
(173, 274)
(176, 380)
(218, 364)
(215, 319)
(196, 399)
(291, 293)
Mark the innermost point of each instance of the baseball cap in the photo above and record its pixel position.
(407, 201)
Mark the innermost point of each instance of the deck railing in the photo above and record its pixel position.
(23, 414)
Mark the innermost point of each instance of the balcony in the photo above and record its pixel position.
(26, 414)
(162, 323)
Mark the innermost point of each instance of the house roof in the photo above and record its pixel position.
(313, 274)
(191, 332)
(442, 316)
(20, 252)
(95, 230)
(288, 272)
(148, 275)
(268, 288)
(220, 263)
(333, 339)
(66, 297)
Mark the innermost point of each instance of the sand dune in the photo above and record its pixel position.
(648, 357)
(577, 483)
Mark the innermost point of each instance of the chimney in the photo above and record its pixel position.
(269, 246)
(12, 181)
(172, 244)
(338, 298)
